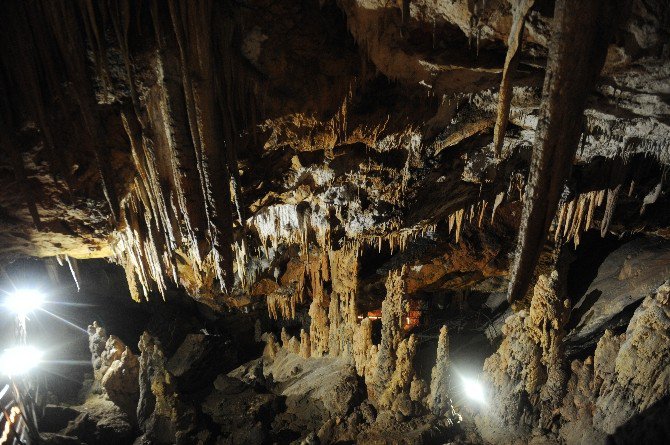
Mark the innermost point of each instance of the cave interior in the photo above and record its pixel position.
(335, 221)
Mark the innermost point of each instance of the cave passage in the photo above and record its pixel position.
(334, 222)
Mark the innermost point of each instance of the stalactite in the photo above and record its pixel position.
(183, 162)
(136, 248)
(74, 270)
(612, 197)
(651, 197)
(397, 240)
(192, 23)
(280, 305)
(519, 13)
(577, 215)
(499, 199)
(577, 53)
(459, 223)
(484, 204)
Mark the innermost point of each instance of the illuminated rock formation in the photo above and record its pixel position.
(439, 401)
(330, 214)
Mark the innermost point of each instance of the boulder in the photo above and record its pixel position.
(627, 275)
(100, 422)
(243, 413)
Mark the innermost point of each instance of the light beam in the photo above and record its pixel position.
(473, 390)
(24, 301)
(19, 360)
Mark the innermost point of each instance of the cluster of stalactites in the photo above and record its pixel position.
(286, 224)
(577, 215)
(398, 238)
(182, 141)
(282, 302)
(177, 218)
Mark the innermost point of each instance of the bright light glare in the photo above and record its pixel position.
(19, 360)
(24, 301)
(473, 390)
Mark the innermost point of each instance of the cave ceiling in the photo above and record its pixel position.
(201, 144)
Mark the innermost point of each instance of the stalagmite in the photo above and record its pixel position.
(439, 401)
(362, 345)
(305, 346)
(319, 326)
(393, 311)
(396, 393)
(284, 338)
(528, 365)
(271, 346)
(293, 346)
(342, 310)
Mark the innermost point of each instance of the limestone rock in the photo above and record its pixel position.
(121, 382)
(626, 276)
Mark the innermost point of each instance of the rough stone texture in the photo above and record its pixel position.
(328, 382)
(628, 374)
(626, 276)
(243, 414)
(288, 158)
(121, 382)
(101, 422)
(526, 375)
(161, 415)
(198, 360)
(115, 369)
(97, 340)
(439, 401)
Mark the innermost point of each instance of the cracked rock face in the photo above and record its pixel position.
(351, 181)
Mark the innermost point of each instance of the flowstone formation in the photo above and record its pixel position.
(333, 213)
